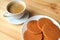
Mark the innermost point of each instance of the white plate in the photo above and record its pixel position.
(24, 28)
(18, 21)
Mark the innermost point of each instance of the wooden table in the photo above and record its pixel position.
(44, 7)
(8, 31)
(12, 32)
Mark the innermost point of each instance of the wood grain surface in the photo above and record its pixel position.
(8, 31)
(44, 7)
(36, 7)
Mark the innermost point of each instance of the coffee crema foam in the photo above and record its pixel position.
(15, 7)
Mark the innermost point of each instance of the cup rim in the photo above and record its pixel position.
(21, 2)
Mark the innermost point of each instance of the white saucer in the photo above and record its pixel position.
(18, 21)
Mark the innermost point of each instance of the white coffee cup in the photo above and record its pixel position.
(17, 15)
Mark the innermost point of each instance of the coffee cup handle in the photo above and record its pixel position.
(6, 14)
